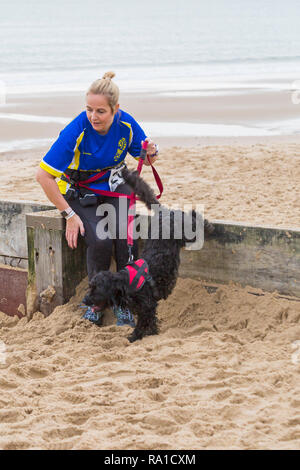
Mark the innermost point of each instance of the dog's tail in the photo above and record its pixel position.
(197, 225)
(140, 187)
(208, 228)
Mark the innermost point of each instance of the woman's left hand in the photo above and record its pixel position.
(151, 151)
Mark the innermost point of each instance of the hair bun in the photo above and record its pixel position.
(109, 75)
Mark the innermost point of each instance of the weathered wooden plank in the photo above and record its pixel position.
(49, 220)
(264, 257)
(55, 269)
(74, 267)
(13, 246)
(31, 290)
(48, 267)
(13, 282)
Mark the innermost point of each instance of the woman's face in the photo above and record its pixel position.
(99, 112)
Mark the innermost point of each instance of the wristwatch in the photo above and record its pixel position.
(66, 212)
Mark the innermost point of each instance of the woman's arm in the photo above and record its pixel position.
(51, 189)
(49, 185)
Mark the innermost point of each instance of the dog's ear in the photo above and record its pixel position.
(120, 283)
(116, 292)
(109, 283)
(96, 279)
(92, 284)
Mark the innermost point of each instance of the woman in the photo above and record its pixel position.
(96, 140)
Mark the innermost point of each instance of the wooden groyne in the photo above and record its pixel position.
(263, 257)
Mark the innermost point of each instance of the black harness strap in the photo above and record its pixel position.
(74, 177)
(140, 271)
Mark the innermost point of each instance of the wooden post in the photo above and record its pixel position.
(13, 246)
(54, 270)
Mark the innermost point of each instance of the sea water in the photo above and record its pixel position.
(171, 47)
(161, 45)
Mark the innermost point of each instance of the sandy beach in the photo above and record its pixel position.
(224, 371)
(255, 183)
(251, 179)
(222, 374)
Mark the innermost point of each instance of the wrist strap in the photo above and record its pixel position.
(71, 213)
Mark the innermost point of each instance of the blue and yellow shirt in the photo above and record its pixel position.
(80, 147)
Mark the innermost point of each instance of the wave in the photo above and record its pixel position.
(24, 144)
(34, 118)
(186, 129)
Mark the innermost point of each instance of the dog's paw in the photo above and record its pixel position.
(133, 337)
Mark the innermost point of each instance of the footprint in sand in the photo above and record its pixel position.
(201, 429)
(6, 385)
(15, 445)
(146, 383)
(38, 373)
(173, 358)
(163, 424)
(24, 371)
(292, 435)
(156, 396)
(10, 416)
(181, 415)
(74, 398)
(122, 373)
(61, 433)
(295, 403)
(80, 417)
(294, 421)
(60, 445)
(222, 395)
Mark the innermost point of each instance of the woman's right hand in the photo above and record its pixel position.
(73, 225)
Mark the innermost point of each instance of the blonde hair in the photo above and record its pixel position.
(105, 86)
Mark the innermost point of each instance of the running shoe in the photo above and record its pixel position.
(124, 316)
(93, 315)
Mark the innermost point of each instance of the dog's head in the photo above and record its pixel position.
(104, 288)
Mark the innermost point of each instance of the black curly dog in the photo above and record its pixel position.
(163, 258)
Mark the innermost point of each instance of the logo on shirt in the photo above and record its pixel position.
(121, 147)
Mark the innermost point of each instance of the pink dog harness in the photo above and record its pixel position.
(138, 274)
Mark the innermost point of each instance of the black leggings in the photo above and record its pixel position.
(102, 237)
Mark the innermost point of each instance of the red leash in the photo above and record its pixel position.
(103, 192)
(132, 201)
(133, 198)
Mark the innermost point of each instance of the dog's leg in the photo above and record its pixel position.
(146, 325)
